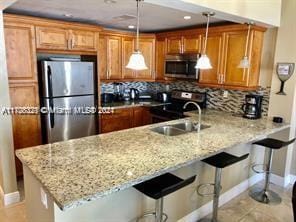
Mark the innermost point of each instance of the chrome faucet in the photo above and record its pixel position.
(199, 113)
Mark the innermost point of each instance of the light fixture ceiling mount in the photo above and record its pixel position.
(137, 60)
(204, 62)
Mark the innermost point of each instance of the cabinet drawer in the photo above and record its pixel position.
(51, 38)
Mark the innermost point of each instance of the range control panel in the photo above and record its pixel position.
(199, 97)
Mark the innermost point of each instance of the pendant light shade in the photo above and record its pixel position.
(137, 60)
(204, 62)
(245, 62)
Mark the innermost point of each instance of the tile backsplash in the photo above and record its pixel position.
(216, 100)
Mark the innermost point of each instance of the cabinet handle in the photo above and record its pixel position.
(72, 42)
(219, 79)
(224, 78)
(108, 74)
(69, 43)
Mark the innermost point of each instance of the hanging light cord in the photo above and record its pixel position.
(248, 36)
(138, 25)
(207, 30)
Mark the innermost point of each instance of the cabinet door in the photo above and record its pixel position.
(20, 52)
(26, 128)
(214, 52)
(127, 50)
(102, 60)
(83, 40)
(160, 59)
(114, 57)
(52, 38)
(174, 45)
(119, 120)
(191, 44)
(147, 47)
(234, 49)
(141, 116)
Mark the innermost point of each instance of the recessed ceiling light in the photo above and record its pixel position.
(131, 26)
(110, 1)
(187, 17)
(68, 15)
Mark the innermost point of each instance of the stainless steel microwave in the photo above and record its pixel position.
(181, 66)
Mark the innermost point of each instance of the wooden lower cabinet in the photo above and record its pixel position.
(125, 118)
(26, 128)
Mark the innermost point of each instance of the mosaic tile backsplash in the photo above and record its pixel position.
(216, 100)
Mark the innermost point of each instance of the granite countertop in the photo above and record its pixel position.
(131, 103)
(77, 171)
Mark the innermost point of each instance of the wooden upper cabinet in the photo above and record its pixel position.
(20, 52)
(214, 51)
(52, 38)
(114, 58)
(102, 57)
(127, 50)
(191, 44)
(147, 47)
(174, 45)
(160, 59)
(234, 49)
(83, 40)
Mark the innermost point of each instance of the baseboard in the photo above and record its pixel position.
(9, 198)
(224, 198)
(282, 181)
(292, 179)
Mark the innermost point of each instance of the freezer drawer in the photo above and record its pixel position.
(61, 79)
(60, 127)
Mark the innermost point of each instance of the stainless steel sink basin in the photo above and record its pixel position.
(178, 129)
(168, 131)
(189, 126)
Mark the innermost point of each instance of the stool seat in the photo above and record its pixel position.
(273, 143)
(222, 160)
(163, 185)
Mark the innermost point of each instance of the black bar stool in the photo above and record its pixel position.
(294, 201)
(265, 195)
(159, 187)
(218, 161)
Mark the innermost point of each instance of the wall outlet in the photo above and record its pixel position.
(44, 198)
(225, 94)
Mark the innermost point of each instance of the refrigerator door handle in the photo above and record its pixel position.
(51, 105)
(51, 114)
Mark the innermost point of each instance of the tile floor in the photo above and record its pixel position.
(240, 209)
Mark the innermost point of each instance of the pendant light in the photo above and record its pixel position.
(137, 61)
(245, 62)
(204, 62)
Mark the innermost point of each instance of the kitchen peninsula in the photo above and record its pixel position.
(75, 175)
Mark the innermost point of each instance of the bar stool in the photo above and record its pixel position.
(218, 161)
(265, 195)
(157, 188)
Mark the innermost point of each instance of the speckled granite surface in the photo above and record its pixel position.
(77, 171)
(129, 104)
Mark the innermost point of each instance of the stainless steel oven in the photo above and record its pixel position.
(181, 66)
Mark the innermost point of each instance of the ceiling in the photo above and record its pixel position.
(117, 14)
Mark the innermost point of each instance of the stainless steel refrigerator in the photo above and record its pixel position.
(67, 88)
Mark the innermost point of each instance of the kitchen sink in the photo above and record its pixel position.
(189, 126)
(168, 131)
(178, 129)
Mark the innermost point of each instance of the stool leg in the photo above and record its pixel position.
(217, 190)
(159, 210)
(266, 195)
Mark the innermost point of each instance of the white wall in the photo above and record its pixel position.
(285, 106)
(7, 166)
